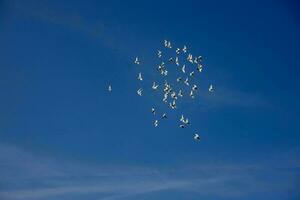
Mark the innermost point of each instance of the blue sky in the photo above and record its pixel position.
(62, 136)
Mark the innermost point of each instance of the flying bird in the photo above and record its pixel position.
(190, 58)
(176, 61)
(192, 73)
(184, 49)
(183, 69)
(153, 111)
(177, 51)
(140, 77)
(159, 53)
(154, 86)
(109, 88)
(139, 92)
(155, 123)
(211, 88)
(199, 68)
(180, 93)
(186, 81)
(192, 94)
(136, 61)
(196, 137)
(194, 87)
(178, 79)
(164, 116)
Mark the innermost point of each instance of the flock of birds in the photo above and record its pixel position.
(188, 66)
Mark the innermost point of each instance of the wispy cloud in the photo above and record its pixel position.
(24, 175)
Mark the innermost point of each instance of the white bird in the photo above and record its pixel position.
(169, 45)
(192, 73)
(196, 136)
(182, 118)
(199, 68)
(184, 49)
(194, 87)
(153, 111)
(159, 53)
(176, 61)
(140, 77)
(180, 93)
(109, 88)
(177, 51)
(170, 59)
(164, 116)
(186, 81)
(181, 126)
(211, 88)
(192, 94)
(178, 79)
(136, 61)
(183, 69)
(165, 72)
(154, 86)
(186, 121)
(139, 92)
(165, 98)
(166, 43)
(190, 58)
(198, 59)
(173, 104)
(173, 95)
(155, 123)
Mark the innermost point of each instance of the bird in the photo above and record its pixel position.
(164, 116)
(166, 43)
(170, 59)
(186, 121)
(178, 79)
(192, 94)
(136, 61)
(173, 95)
(154, 86)
(192, 73)
(199, 68)
(182, 118)
(177, 51)
(176, 61)
(184, 49)
(140, 77)
(198, 59)
(165, 72)
(180, 93)
(159, 53)
(109, 88)
(173, 104)
(194, 87)
(165, 98)
(211, 88)
(153, 111)
(196, 137)
(139, 92)
(181, 126)
(155, 123)
(169, 45)
(183, 69)
(190, 58)
(186, 81)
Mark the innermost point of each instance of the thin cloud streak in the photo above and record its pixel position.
(35, 177)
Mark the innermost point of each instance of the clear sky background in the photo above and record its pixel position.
(63, 136)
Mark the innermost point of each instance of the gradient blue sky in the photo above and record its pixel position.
(62, 136)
